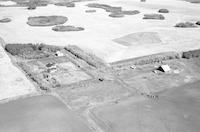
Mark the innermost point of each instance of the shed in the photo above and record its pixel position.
(58, 53)
(164, 68)
(133, 67)
(51, 70)
(51, 64)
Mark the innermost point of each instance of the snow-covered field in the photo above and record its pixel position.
(7, 3)
(13, 82)
(101, 30)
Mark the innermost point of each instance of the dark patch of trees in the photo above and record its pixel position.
(31, 51)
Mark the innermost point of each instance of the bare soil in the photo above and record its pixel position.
(41, 114)
(175, 110)
(93, 92)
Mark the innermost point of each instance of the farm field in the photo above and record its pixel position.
(99, 66)
(41, 114)
(175, 110)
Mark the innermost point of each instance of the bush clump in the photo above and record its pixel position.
(134, 12)
(191, 54)
(70, 4)
(198, 23)
(150, 59)
(91, 59)
(67, 28)
(163, 11)
(27, 3)
(116, 15)
(107, 8)
(31, 51)
(115, 12)
(155, 58)
(5, 20)
(90, 11)
(67, 4)
(185, 25)
(194, 1)
(154, 16)
(46, 20)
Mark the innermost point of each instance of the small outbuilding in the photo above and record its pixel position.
(163, 11)
(101, 79)
(58, 53)
(133, 67)
(164, 68)
(32, 7)
(51, 65)
(52, 70)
